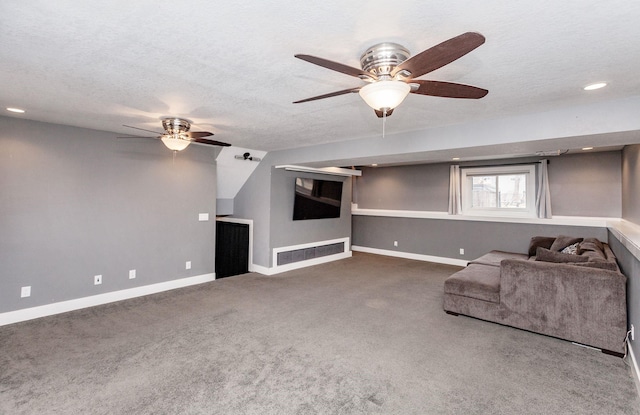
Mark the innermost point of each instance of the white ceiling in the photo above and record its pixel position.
(229, 66)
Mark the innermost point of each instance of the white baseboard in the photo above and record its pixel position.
(94, 300)
(301, 264)
(409, 255)
(259, 269)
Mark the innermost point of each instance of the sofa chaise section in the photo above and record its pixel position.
(571, 301)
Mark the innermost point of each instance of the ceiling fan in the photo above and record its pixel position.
(177, 136)
(391, 73)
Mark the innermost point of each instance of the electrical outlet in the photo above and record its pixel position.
(395, 243)
(97, 280)
(132, 274)
(26, 292)
(461, 251)
(632, 332)
(187, 265)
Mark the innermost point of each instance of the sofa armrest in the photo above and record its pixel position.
(585, 305)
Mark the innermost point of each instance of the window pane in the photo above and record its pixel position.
(512, 190)
(507, 191)
(484, 192)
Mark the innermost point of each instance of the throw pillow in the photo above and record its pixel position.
(562, 242)
(540, 241)
(548, 255)
(571, 249)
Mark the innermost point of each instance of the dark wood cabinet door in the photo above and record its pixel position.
(232, 249)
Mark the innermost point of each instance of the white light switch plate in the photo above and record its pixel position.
(203, 217)
(25, 291)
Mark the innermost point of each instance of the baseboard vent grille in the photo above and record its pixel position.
(297, 255)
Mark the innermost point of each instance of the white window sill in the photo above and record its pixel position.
(419, 214)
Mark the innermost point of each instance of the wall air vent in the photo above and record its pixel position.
(304, 254)
(551, 153)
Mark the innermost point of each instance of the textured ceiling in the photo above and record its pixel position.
(229, 65)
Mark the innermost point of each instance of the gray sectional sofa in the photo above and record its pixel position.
(570, 288)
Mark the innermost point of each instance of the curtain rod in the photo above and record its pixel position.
(508, 164)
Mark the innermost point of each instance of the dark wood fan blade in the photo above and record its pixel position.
(448, 89)
(329, 95)
(142, 129)
(198, 134)
(335, 66)
(380, 114)
(440, 55)
(210, 142)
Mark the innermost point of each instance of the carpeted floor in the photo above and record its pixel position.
(365, 335)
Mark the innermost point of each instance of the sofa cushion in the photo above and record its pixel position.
(594, 256)
(590, 244)
(608, 265)
(477, 281)
(494, 258)
(563, 241)
(548, 255)
(609, 253)
(542, 241)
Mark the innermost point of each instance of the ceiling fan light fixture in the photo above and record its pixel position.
(384, 94)
(175, 144)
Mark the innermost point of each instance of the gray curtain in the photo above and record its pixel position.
(455, 204)
(543, 199)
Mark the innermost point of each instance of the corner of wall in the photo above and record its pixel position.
(224, 206)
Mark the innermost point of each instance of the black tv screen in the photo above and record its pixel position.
(316, 199)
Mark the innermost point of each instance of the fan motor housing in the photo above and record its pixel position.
(176, 125)
(380, 59)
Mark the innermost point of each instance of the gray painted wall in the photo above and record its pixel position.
(419, 187)
(267, 199)
(630, 211)
(253, 201)
(630, 266)
(285, 231)
(631, 184)
(586, 184)
(224, 207)
(444, 238)
(76, 203)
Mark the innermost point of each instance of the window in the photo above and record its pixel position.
(499, 191)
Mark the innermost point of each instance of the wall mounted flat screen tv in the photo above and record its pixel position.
(316, 199)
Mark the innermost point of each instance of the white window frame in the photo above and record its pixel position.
(529, 170)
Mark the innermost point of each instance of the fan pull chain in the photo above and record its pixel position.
(384, 120)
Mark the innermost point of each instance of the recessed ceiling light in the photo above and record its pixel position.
(456, 158)
(18, 110)
(587, 148)
(597, 85)
(374, 165)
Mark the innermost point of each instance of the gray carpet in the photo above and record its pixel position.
(365, 335)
